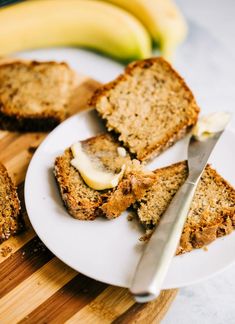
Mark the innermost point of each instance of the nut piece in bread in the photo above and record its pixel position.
(149, 106)
(212, 212)
(10, 222)
(34, 96)
(85, 203)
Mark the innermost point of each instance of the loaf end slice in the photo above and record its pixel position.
(10, 220)
(150, 107)
(34, 96)
(212, 213)
(85, 203)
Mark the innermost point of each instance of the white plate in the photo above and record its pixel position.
(109, 250)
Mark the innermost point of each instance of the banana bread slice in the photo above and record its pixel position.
(85, 203)
(149, 106)
(10, 222)
(212, 212)
(34, 95)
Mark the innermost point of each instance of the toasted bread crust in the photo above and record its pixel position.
(103, 90)
(169, 139)
(10, 221)
(127, 192)
(200, 237)
(29, 124)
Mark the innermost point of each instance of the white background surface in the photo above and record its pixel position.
(212, 301)
(207, 61)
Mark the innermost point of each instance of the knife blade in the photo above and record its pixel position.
(159, 251)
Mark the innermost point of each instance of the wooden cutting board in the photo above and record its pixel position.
(35, 286)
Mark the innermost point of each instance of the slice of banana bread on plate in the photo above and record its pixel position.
(85, 203)
(149, 106)
(212, 213)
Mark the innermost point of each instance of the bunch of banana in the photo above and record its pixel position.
(161, 18)
(119, 28)
(92, 24)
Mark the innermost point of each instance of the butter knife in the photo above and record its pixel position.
(159, 251)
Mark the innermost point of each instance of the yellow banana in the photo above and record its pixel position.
(162, 19)
(91, 24)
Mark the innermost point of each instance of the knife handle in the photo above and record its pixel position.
(161, 248)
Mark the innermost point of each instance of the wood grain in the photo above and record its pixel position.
(34, 290)
(67, 301)
(27, 260)
(36, 287)
(105, 308)
(152, 312)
